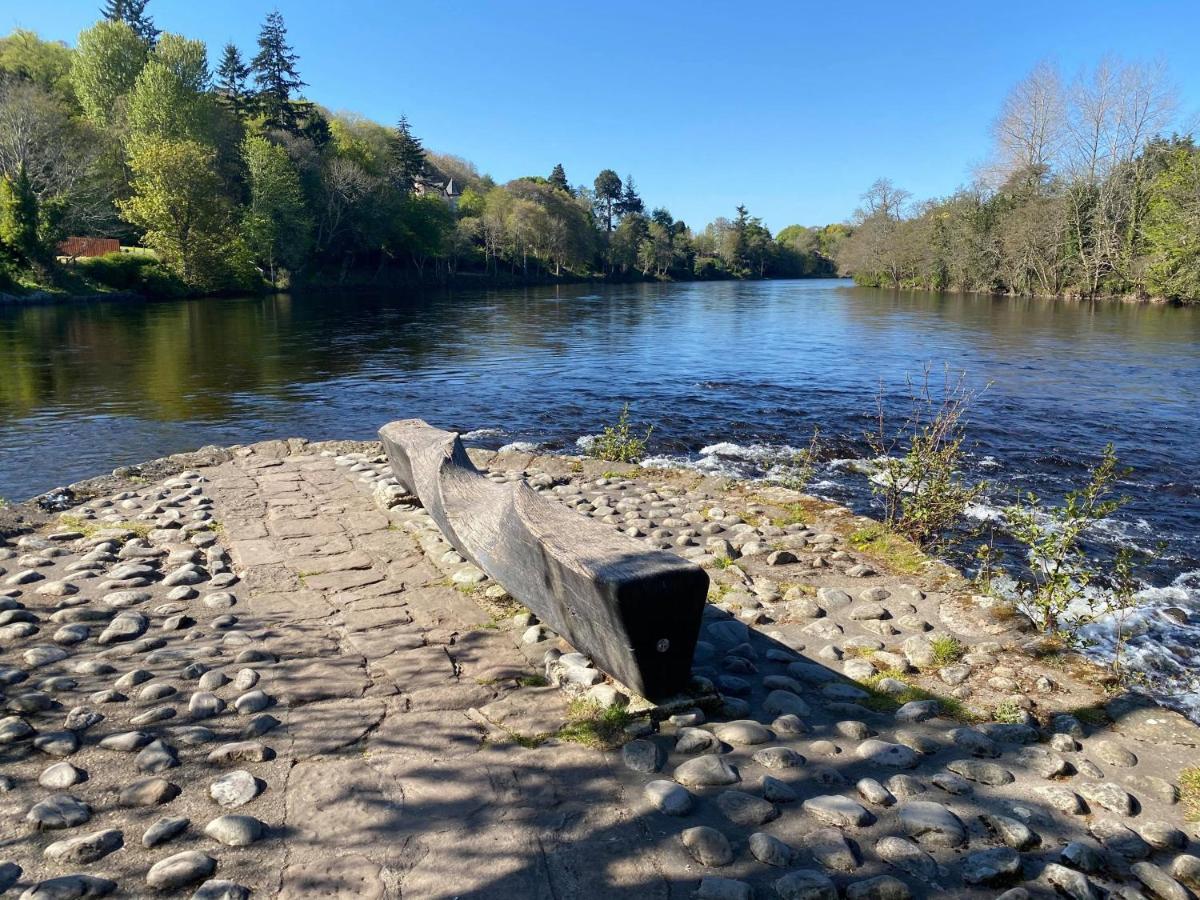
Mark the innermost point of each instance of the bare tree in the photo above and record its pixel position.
(1028, 132)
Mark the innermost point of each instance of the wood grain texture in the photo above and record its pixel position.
(636, 612)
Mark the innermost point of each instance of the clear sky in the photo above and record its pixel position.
(792, 108)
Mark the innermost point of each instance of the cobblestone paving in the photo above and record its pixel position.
(272, 677)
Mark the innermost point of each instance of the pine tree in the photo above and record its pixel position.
(558, 178)
(132, 13)
(408, 156)
(630, 202)
(231, 81)
(275, 74)
(19, 217)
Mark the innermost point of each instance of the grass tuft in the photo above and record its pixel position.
(947, 650)
(1189, 793)
(898, 553)
(592, 725)
(1007, 713)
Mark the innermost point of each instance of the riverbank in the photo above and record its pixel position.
(372, 711)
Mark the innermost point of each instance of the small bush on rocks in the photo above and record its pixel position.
(1066, 589)
(594, 725)
(919, 482)
(618, 443)
(1007, 712)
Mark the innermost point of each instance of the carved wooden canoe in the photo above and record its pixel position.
(635, 611)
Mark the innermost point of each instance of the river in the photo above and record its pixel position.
(727, 372)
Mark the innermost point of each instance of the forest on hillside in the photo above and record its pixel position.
(233, 180)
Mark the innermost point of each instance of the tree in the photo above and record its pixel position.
(1029, 131)
(179, 201)
(608, 195)
(67, 162)
(276, 223)
(558, 178)
(1173, 227)
(407, 156)
(275, 74)
(19, 232)
(630, 201)
(169, 98)
(47, 64)
(133, 14)
(232, 76)
(108, 59)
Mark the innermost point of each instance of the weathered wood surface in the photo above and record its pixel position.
(635, 611)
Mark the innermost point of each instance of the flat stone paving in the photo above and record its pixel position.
(271, 677)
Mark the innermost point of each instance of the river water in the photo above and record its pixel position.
(728, 373)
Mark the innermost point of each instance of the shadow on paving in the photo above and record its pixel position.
(559, 820)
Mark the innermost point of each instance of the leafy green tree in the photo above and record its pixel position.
(627, 241)
(133, 14)
(608, 195)
(45, 63)
(276, 225)
(558, 178)
(180, 203)
(408, 161)
(232, 81)
(275, 74)
(1173, 228)
(107, 61)
(169, 98)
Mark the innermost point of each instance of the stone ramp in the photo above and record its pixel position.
(271, 631)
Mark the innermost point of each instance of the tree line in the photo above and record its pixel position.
(234, 180)
(1089, 192)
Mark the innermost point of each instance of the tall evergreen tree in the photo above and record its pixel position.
(232, 75)
(608, 195)
(274, 68)
(408, 156)
(630, 201)
(133, 14)
(558, 178)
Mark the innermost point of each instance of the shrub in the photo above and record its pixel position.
(795, 470)
(946, 650)
(1007, 712)
(618, 443)
(924, 496)
(138, 272)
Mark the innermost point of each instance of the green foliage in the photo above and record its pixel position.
(407, 156)
(1060, 599)
(275, 73)
(276, 224)
(1173, 228)
(1007, 712)
(796, 469)
(139, 272)
(618, 443)
(947, 649)
(44, 63)
(19, 224)
(558, 178)
(602, 728)
(108, 58)
(232, 77)
(1189, 792)
(169, 99)
(179, 202)
(133, 14)
(924, 497)
(896, 551)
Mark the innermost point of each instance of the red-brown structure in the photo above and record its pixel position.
(76, 247)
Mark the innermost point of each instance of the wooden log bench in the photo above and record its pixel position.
(635, 611)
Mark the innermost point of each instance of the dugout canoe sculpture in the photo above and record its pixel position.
(635, 611)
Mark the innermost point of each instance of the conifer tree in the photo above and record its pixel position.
(558, 178)
(408, 156)
(274, 68)
(133, 14)
(630, 201)
(232, 74)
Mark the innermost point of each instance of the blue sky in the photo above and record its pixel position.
(791, 108)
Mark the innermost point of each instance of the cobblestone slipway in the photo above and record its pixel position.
(270, 676)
